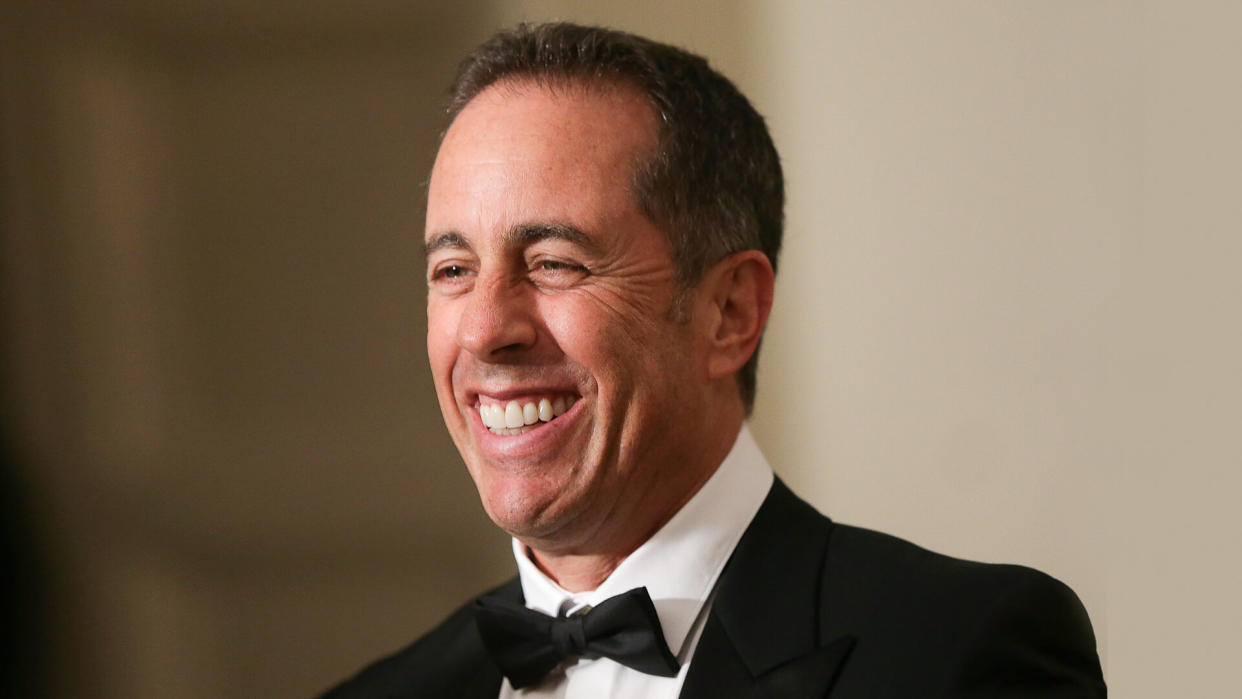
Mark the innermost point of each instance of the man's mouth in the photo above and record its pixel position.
(518, 416)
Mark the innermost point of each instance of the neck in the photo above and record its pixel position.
(585, 564)
(576, 573)
(586, 567)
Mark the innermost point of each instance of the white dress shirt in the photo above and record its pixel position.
(679, 566)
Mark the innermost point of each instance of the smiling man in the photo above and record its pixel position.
(549, 286)
(603, 222)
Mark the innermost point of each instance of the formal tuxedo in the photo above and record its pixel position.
(808, 608)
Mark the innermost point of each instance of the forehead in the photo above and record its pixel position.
(523, 152)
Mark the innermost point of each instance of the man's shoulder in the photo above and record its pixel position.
(875, 569)
(885, 563)
(872, 565)
(949, 620)
(439, 664)
(886, 575)
(918, 619)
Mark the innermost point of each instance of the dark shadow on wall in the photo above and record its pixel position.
(23, 568)
(212, 324)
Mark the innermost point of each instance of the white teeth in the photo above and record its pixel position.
(515, 418)
(513, 415)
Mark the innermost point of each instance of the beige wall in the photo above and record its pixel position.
(1006, 327)
(963, 176)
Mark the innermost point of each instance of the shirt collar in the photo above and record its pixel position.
(680, 563)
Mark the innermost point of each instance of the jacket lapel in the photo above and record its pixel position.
(762, 637)
(472, 674)
(484, 684)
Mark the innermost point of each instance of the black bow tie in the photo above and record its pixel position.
(527, 644)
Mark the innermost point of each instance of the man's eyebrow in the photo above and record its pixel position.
(528, 233)
(445, 240)
(520, 236)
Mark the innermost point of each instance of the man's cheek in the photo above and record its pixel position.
(441, 338)
(570, 323)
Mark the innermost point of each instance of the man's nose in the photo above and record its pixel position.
(498, 320)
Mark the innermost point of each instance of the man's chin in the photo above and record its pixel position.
(516, 505)
(529, 512)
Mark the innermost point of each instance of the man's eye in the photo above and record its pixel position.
(553, 273)
(449, 272)
(559, 266)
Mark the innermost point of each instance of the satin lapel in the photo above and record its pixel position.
(475, 676)
(717, 671)
(484, 684)
(762, 638)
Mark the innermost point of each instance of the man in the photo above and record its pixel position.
(603, 222)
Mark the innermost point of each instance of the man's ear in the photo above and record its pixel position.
(738, 291)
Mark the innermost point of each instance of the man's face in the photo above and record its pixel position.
(549, 290)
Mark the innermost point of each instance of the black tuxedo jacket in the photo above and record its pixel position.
(809, 608)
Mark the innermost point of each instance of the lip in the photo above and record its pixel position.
(472, 394)
(539, 442)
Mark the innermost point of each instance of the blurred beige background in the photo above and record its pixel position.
(1007, 322)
